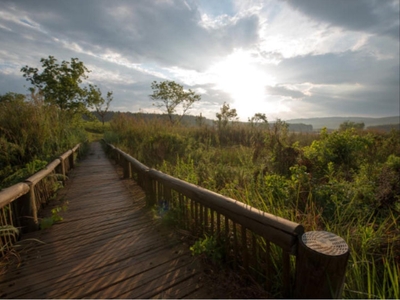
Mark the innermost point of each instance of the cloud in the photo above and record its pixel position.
(283, 91)
(165, 32)
(294, 58)
(336, 68)
(373, 16)
(340, 83)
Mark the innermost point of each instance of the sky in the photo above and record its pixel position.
(287, 59)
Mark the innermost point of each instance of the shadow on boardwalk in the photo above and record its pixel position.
(107, 246)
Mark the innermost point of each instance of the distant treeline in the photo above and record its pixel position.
(191, 120)
(385, 128)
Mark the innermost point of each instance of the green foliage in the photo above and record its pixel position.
(54, 218)
(225, 116)
(12, 97)
(208, 247)
(102, 105)
(22, 173)
(345, 149)
(170, 95)
(32, 133)
(350, 125)
(60, 84)
(346, 182)
(7, 231)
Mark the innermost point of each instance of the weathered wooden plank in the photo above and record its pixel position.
(182, 289)
(115, 285)
(82, 278)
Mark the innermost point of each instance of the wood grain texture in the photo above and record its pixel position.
(108, 246)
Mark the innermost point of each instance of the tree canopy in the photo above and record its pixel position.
(171, 96)
(60, 84)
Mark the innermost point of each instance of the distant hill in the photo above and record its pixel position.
(334, 122)
(190, 120)
(298, 125)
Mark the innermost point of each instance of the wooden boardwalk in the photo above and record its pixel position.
(108, 246)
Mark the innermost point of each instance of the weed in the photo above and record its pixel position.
(54, 218)
(208, 247)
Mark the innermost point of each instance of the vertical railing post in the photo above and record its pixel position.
(28, 210)
(71, 160)
(320, 265)
(63, 170)
(125, 166)
(149, 189)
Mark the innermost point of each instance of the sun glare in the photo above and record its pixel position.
(240, 77)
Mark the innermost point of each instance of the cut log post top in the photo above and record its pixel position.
(321, 265)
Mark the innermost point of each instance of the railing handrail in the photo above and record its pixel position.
(278, 230)
(9, 194)
(13, 192)
(20, 203)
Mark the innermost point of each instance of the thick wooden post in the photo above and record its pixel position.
(321, 265)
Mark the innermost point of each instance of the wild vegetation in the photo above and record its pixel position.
(346, 181)
(35, 128)
(31, 135)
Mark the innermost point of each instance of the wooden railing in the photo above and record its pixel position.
(268, 248)
(20, 203)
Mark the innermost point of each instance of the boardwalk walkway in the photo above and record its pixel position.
(108, 246)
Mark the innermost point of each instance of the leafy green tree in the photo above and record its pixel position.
(226, 115)
(102, 105)
(60, 84)
(170, 95)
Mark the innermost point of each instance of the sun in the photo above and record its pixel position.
(240, 76)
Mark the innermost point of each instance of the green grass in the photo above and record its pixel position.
(33, 134)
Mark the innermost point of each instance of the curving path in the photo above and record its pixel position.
(108, 245)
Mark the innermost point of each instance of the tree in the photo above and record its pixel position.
(60, 84)
(12, 97)
(226, 115)
(200, 120)
(257, 118)
(170, 95)
(100, 101)
(349, 124)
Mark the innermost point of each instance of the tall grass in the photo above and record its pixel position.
(32, 134)
(344, 182)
